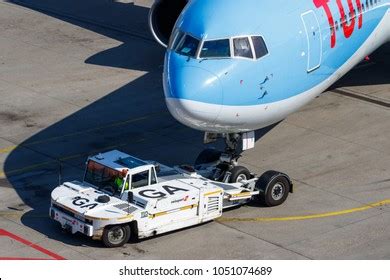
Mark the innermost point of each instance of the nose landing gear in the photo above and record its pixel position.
(273, 186)
(223, 166)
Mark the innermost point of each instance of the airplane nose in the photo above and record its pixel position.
(194, 96)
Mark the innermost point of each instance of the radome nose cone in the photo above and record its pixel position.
(194, 96)
(194, 83)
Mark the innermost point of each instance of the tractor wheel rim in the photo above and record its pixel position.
(116, 236)
(277, 191)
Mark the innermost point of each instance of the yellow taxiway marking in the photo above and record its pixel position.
(77, 133)
(308, 217)
(7, 149)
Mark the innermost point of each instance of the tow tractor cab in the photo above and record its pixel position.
(122, 196)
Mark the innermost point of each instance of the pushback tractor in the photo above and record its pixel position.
(123, 197)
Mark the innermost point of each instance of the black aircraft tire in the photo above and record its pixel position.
(274, 188)
(116, 236)
(239, 173)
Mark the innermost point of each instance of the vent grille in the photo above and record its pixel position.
(125, 207)
(213, 204)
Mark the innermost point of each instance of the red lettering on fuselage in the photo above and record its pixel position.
(359, 5)
(324, 4)
(348, 25)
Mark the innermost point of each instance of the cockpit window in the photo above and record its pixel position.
(188, 46)
(215, 49)
(259, 46)
(242, 48)
(250, 47)
(175, 39)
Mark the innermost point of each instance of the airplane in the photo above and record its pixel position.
(234, 67)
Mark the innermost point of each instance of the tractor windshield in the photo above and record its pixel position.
(103, 177)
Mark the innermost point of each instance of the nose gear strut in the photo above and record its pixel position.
(274, 186)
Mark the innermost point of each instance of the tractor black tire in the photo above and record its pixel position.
(274, 188)
(116, 236)
(239, 173)
(208, 156)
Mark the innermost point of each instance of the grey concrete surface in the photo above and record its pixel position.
(79, 77)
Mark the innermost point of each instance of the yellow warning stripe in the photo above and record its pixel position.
(211, 193)
(126, 217)
(96, 218)
(159, 214)
(152, 216)
(188, 207)
(241, 194)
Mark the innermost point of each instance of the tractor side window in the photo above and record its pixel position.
(140, 179)
(259, 46)
(153, 177)
(242, 48)
(127, 183)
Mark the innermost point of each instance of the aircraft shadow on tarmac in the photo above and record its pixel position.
(374, 71)
(141, 97)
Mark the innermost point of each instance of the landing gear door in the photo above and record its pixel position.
(314, 40)
(248, 140)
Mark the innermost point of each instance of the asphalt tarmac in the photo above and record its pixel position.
(80, 77)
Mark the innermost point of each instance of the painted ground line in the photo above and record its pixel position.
(30, 244)
(309, 216)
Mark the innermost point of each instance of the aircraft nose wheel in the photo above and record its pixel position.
(274, 188)
(238, 174)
